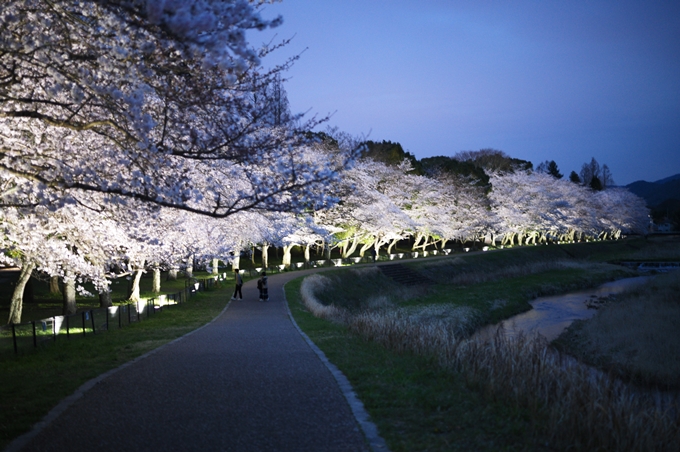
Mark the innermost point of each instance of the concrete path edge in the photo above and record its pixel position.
(362, 417)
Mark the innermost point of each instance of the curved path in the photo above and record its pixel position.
(248, 381)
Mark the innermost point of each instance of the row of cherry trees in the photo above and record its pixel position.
(382, 205)
(140, 135)
(118, 115)
(379, 206)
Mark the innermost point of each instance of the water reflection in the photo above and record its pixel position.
(550, 316)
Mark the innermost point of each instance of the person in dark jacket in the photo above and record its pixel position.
(262, 285)
(239, 284)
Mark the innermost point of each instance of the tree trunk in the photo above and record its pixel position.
(190, 267)
(421, 237)
(54, 285)
(172, 274)
(365, 247)
(17, 304)
(307, 253)
(252, 255)
(392, 244)
(235, 263)
(265, 255)
(426, 239)
(105, 299)
(327, 250)
(69, 295)
(134, 290)
(29, 295)
(156, 287)
(215, 266)
(352, 248)
(416, 241)
(286, 255)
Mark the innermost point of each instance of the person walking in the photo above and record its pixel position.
(262, 285)
(239, 284)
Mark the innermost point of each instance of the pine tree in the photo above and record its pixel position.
(574, 178)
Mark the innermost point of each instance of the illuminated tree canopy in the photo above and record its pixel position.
(141, 135)
(163, 102)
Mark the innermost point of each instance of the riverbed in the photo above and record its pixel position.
(551, 315)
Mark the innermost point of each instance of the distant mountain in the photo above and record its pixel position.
(659, 192)
(668, 179)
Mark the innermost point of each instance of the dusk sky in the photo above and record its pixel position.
(539, 80)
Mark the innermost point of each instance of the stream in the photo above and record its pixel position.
(551, 315)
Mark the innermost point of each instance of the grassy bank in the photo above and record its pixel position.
(33, 384)
(545, 400)
(416, 404)
(487, 287)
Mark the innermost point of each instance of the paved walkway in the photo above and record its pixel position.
(248, 381)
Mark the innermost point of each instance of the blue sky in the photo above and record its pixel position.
(539, 80)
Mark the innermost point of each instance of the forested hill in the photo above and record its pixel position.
(659, 192)
(474, 164)
(391, 154)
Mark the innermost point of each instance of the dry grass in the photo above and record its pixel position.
(637, 335)
(576, 407)
(380, 314)
(582, 409)
(363, 289)
(311, 285)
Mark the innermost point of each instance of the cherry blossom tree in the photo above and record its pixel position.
(465, 210)
(531, 206)
(57, 245)
(621, 212)
(536, 207)
(147, 100)
(366, 215)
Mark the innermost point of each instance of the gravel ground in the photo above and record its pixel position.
(248, 381)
